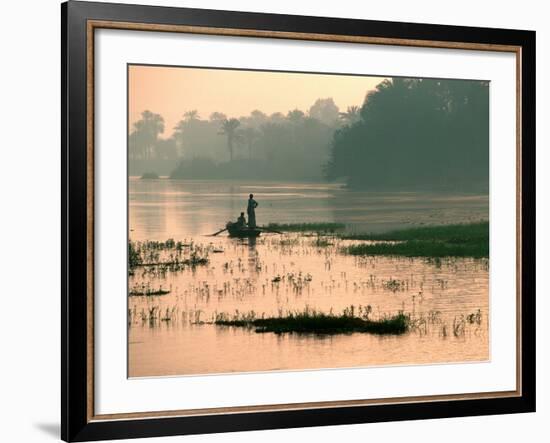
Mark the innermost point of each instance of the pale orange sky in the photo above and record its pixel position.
(171, 91)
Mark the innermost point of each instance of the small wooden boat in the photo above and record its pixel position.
(235, 230)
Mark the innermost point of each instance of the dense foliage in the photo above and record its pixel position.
(417, 134)
(461, 240)
(408, 134)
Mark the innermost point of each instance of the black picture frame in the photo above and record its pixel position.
(76, 422)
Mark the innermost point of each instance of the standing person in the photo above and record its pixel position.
(251, 210)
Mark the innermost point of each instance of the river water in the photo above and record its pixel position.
(448, 299)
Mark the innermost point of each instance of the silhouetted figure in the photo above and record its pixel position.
(251, 210)
(241, 221)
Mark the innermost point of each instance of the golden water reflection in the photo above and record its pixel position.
(292, 272)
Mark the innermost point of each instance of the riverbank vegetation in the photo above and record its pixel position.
(408, 133)
(146, 291)
(459, 240)
(307, 227)
(160, 257)
(313, 322)
(417, 134)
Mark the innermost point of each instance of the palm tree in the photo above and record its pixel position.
(148, 130)
(229, 129)
(191, 116)
(351, 116)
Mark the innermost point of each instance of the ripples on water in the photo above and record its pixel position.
(277, 274)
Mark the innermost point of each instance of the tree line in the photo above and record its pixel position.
(294, 145)
(416, 134)
(408, 134)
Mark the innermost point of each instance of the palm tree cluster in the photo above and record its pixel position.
(294, 145)
(144, 138)
(416, 133)
(229, 129)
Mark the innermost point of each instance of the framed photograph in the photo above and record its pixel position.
(277, 221)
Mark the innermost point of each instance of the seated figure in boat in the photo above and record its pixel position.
(241, 221)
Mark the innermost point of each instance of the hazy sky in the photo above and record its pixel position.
(172, 91)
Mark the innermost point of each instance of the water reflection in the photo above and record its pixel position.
(291, 272)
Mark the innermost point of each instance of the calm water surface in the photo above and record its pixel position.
(292, 272)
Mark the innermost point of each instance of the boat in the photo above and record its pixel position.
(235, 230)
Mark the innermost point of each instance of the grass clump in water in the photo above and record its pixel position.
(312, 322)
(307, 227)
(148, 292)
(461, 240)
(134, 257)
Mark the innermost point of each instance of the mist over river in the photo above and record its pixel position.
(280, 273)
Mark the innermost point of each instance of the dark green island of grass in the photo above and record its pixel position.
(320, 227)
(147, 292)
(460, 240)
(319, 323)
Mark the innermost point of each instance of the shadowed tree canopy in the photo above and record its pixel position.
(351, 116)
(409, 134)
(416, 134)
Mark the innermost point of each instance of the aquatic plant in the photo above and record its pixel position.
(147, 292)
(461, 240)
(456, 233)
(321, 241)
(313, 322)
(134, 257)
(307, 227)
(160, 257)
(420, 248)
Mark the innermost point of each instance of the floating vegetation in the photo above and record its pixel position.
(289, 242)
(321, 241)
(313, 322)
(307, 227)
(420, 248)
(166, 256)
(463, 240)
(394, 285)
(459, 233)
(353, 319)
(134, 257)
(294, 281)
(147, 292)
(474, 318)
